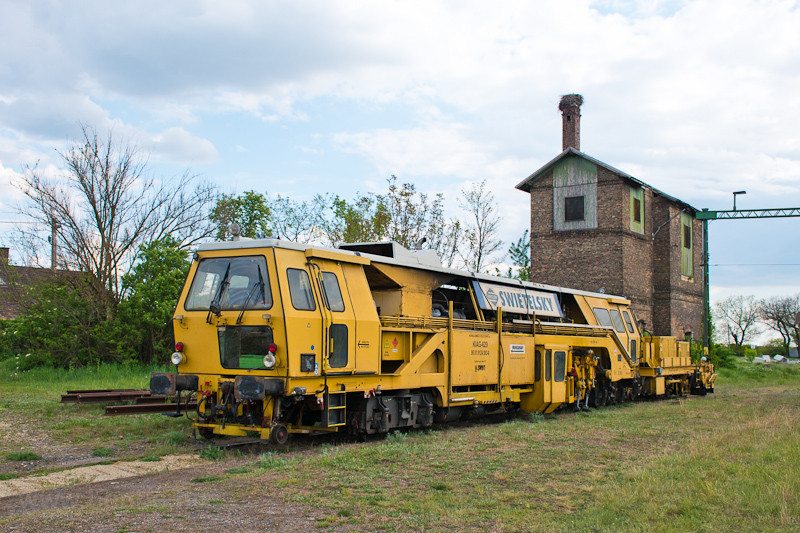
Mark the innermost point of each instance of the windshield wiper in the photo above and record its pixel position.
(260, 285)
(214, 307)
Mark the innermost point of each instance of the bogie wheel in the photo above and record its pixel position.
(620, 394)
(603, 395)
(279, 435)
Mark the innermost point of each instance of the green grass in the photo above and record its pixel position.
(213, 453)
(724, 462)
(209, 478)
(102, 451)
(23, 456)
(35, 395)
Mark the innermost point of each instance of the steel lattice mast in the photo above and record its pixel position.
(705, 215)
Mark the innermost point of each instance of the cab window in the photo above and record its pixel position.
(628, 321)
(300, 290)
(617, 321)
(232, 283)
(560, 365)
(548, 365)
(603, 318)
(333, 292)
(244, 346)
(338, 358)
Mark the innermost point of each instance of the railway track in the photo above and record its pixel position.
(143, 401)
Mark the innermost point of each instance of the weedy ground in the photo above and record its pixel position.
(33, 420)
(724, 462)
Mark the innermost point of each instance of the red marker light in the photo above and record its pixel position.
(273, 348)
(178, 346)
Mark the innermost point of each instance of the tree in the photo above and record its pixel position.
(482, 228)
(519, 252)
(402, 214)
(108, 205)
(410, 216)
(143, 326)
(365, 219)
(298, 221)
(250, 211)
(779, 313)
(738, 318)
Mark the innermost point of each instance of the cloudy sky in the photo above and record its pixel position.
(696, 98)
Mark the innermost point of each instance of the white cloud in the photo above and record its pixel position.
(177, 144)
(696, 98)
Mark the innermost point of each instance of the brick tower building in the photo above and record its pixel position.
(596, 228)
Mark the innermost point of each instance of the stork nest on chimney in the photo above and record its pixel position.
(569, 100)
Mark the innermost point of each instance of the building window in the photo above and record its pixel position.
(637, 210)
(687, 257)
(573, 208)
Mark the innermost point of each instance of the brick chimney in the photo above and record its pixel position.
(570, 107)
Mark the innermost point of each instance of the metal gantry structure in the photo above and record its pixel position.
(705, 215)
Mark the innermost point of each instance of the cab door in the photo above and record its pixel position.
(540, 399)
(558, 384)
(338, 315)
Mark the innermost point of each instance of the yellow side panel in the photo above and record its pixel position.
(655, 386)
(389, 302)
(683, 349)
(517, 361)
(393, 345)
(663, 347)
(474, 358)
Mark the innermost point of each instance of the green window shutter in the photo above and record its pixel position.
(637, 210)
(687, 263)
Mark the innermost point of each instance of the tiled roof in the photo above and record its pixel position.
(13, 280)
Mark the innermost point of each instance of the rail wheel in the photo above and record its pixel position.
(602, 393)
(279, 435)
(620, 394)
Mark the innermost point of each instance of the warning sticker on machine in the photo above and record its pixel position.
(517, 348)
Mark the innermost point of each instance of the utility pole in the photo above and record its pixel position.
(705, 215)
(54, 227)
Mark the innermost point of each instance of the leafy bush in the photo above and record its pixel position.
(62, 326)
(722, 356)
(143, 326)
(68, 322)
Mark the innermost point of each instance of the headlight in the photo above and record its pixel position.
(270, 360)
(177, 358)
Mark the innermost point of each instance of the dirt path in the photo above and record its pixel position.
(94, 473)
(161, 501)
